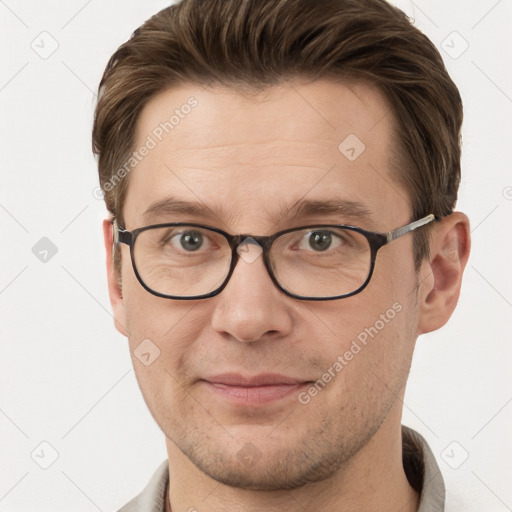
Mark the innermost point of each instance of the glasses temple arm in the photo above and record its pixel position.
(120, 235)
(398, 232)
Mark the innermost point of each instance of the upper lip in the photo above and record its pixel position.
(264, 379)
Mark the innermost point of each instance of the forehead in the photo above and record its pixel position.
(250, 156)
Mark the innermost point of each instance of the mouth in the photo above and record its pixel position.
(253, 390)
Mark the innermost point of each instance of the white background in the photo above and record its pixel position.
(66, 376)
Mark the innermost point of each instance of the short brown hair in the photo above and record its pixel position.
(254, 44)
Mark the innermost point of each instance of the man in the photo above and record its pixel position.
(281, 177)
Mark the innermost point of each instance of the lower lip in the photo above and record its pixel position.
(254, 395)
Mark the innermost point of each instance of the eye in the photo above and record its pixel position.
(320, 241)
(189, 241)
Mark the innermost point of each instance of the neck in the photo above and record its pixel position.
(372, 477)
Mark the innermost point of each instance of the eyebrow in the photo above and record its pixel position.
(341, 207)
(172, 206)
(346, 209)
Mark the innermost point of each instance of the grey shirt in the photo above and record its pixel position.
(419, 464)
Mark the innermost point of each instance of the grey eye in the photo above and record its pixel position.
(189, 241)
(320, 240)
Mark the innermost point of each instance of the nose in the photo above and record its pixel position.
(251, 307)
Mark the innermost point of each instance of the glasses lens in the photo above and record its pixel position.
(321, 262)
(184, 261)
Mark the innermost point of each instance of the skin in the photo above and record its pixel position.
(247, 157)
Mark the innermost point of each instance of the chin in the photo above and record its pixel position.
(252, 469)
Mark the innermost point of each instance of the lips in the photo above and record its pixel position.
(266, 379)
(253, 390)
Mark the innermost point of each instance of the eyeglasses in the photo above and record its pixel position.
(318, 262)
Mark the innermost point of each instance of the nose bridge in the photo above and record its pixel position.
(251, 304)
(263, 241)
(248, 248)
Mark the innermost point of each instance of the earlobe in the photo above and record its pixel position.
(441, 275)
(114, 287)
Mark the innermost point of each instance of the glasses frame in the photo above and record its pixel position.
(376, 240)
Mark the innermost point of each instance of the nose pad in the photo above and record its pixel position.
(249, 250)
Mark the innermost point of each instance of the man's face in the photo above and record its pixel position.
(249, 159)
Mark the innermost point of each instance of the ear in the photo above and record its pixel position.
(114, 285)
(441, 275)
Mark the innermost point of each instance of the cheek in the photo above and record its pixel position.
(370, 370)
(371, 335)
(147, 316)
(169, 329)
(161, 339)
